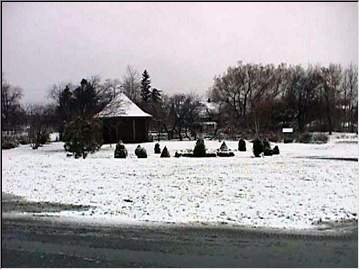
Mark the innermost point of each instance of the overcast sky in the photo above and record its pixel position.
(182, 45)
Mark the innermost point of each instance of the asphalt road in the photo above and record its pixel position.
(45, 243)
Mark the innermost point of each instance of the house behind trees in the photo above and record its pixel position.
(207, 122)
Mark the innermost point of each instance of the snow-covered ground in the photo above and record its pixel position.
(291, 190)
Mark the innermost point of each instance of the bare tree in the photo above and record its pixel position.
(183, 113)
(244, 87)
(111, 87)
(331, 79)
(11, 110)
(349, 92)
(302, 93)
(40, 120)
(131, 83)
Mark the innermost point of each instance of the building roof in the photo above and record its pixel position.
(208, 108)
(211, 106)
(122, 106)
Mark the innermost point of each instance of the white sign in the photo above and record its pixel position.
(287, 130)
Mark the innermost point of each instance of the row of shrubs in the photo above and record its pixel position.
(312, 138)
(305, 137)
(140, 152)
(259, 148)
(262, 147)
(8, 142)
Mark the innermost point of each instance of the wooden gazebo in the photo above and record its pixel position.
(123, 120)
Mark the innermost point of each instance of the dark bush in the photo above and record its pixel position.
(224, 151)
(39, 137)
(304, 137)
(140, 152)
(274, 137)
(67, 148)
(224, 147)
(320, 138)
(258, 147)
(137, 149)
(199, 149)
(276, 150)
(120, 150)
(24, 139)
(83, 136)
(225, 154)
(242, 145)
(157, 149)
(44, 138)
(177, 154)
(165, 153)
(313, 138)
(266, 144)
(267, 148)
(268, 152)
(8, 142)
(34, 146)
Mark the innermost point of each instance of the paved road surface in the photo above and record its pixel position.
(43, 243)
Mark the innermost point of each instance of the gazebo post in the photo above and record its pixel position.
(133, 126)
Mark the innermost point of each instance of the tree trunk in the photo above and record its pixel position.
(179, 132)
(329, 124)
(166, 130)
(300, 119)
(244, 105)
(328, 114)
(187, 135)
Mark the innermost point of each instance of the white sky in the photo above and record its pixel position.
(182, 45)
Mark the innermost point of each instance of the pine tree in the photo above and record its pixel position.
(242, 145)
(258, 147)
(83, 136)
(165, 153)
(145, 87)
(156, 95)
(86, 99)
(199, 149)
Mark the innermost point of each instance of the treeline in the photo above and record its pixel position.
(12, 112)
(73, 105)
(264, 98)
(251, 98)
(174, 115)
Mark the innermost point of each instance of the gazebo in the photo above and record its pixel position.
(123, 120)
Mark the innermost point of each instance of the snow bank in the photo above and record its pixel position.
(290, 190)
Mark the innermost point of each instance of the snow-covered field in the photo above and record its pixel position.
(292, 190)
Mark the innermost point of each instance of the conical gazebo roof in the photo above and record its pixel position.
(122, 106)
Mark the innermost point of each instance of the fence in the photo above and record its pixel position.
(157, 136)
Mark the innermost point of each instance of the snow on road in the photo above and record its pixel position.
(285, 191)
